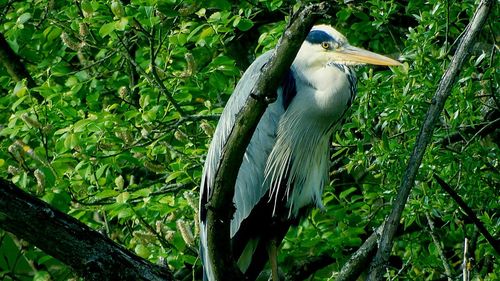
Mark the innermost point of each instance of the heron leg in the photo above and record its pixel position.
(273, 259)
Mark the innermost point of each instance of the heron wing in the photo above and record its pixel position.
(249, 188)
(249, 184)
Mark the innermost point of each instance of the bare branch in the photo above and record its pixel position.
(378, 264)
(495, 243)
(218, 212)
(465, 261)
(90, 254)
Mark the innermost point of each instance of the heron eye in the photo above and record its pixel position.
(326, 45)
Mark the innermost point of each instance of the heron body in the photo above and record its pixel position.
(286, 163)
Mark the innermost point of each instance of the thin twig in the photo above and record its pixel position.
(479, 132)
(155, 81)
(432, 232)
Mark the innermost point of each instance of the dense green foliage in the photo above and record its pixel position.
(127, 97)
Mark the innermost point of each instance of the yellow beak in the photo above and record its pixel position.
(354, 55)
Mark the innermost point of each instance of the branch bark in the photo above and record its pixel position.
(377, 267)
(264, 92)
(90, 254)
(361, 258)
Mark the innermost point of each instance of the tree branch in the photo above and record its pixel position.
(14, 66)
(377, 267)
(495, 243)
(359, 261)
(218, 212)
(90, 254)
(351, 270)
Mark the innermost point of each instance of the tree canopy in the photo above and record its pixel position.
(108, 108)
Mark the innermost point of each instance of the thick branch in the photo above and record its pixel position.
(359, 261)
(90, 254)
(14, 66)
(377, 267)
(218, 212)
(468, 211)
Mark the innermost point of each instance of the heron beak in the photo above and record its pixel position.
(353, 55)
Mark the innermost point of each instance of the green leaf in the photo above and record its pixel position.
(107, 28)
(121, 24)
(100, 171)
(109, 193)
(221, 4)
(20, 89)
(122, 197)
(174, 175)
(144, 192)
(41, 276)
(142, 251)
(23, 18)
(80, 125)
(346, 192)
(244, 24)
(58, 199)
(71, 140)
(18, 102)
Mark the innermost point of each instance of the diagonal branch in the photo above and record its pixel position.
(15, 67)
(89, 253)
(495, 243)
(264, 92)
(359, 261)
(377, 267)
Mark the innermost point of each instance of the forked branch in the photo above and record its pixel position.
(377, 268)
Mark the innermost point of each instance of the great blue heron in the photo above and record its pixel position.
(286, 163)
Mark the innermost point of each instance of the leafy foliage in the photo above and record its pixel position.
(130, 94)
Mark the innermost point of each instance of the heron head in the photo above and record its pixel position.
(326, 45)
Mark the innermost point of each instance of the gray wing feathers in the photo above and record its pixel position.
(249, 185)
(249, 182)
